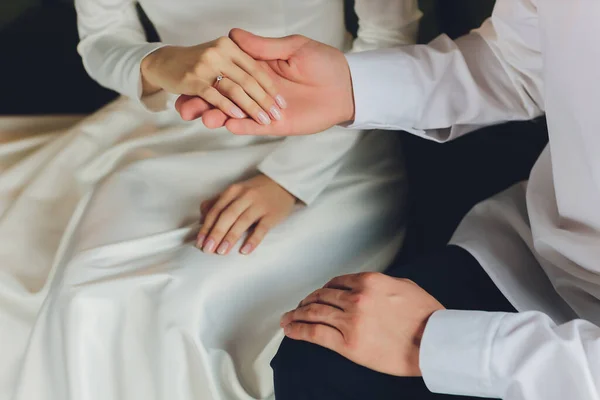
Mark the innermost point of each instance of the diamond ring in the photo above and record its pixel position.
(218, 81)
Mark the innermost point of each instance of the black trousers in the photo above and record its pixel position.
(304, 371)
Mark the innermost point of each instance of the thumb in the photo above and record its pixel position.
(191, 107)
(267, 49)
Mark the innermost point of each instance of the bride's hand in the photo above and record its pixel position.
(245, 90)
(258, 202)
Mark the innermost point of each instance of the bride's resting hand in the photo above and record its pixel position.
(258, 202)
(246, 88)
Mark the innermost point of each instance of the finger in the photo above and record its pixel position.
(223, 201)
(257, 236)
(182, 99)
(254, 69)
(239, 96)
(331, 297)
(344, 282)
(243, 224)
(250, 74)
(218, 100)
(224, 223)
(250, 127)
(191, 107)
(261, 48)
(248, 82)
(318, 334)
(214, 119)
(315, 314)
(206, 205)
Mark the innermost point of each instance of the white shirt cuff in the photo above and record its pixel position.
(386, 96)
(456, 352)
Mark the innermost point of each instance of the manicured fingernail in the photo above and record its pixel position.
(276, 113)
(264, 118)
(281, 101)
(223, 248)
(237, 112)
(246, 249)
(209, 246)
(200, 241)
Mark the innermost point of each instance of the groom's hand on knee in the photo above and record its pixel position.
(372, 319)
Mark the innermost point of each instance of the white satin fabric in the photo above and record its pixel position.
(102, 292)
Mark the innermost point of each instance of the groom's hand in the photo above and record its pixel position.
(372, 319)
(314, 79)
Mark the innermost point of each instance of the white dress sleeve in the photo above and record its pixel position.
(448, 88)
(305, 165)
(386, 23)
(113, 45)
(522, 356)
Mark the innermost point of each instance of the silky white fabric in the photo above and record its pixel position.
(539, 241)
(102, 292)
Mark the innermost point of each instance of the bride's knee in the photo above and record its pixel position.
(69, 299)
(81, 300)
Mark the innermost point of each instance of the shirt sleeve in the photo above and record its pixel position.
(448, 88)
(305, 165)
(522, 356)
(112, 46)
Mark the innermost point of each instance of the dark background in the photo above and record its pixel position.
(41, 73)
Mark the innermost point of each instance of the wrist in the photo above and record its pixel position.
(349, 106)
(415, 355)
(147, 66)
(265, 179)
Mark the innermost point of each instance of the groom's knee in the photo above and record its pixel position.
(304, 371)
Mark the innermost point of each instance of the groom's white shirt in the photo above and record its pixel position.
(540, 240)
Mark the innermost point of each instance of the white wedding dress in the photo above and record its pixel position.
(102, 292)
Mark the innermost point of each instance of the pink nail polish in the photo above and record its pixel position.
(209, 246)
(276, 113)
(281, 101)
(200, 241)
(237, 112)
(223, 248)
(246, 249)
(264, 118)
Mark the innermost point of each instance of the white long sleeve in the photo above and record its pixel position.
(446, 89)
(113, 45)
(529, 57)
(386, 23)
(511, 356)
(304, 165)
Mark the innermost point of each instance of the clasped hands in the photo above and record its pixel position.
(285, 86)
